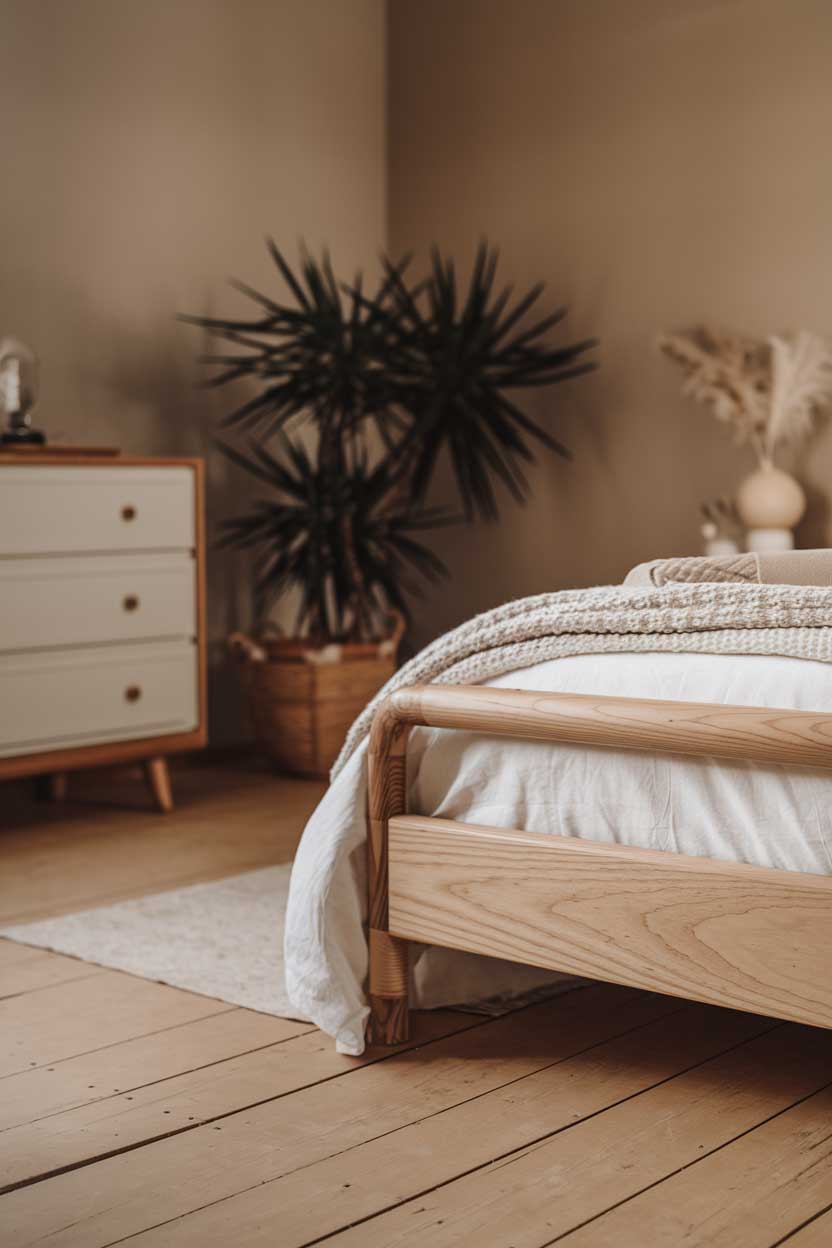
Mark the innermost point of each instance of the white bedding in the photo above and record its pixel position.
(736, 811)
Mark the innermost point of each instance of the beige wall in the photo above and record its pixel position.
(657, 162)
(147, 147)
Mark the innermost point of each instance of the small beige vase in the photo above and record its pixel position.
(770, 503)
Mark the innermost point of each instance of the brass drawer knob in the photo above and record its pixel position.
(132, 693)
(128, 512)
(130, 602)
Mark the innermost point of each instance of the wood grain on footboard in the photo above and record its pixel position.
(725, 933)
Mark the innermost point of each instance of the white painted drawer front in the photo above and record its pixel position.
(81, 600)
(57, 510)
(85, 697)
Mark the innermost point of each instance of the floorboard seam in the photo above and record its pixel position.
(473, 1169)
(207, 1122)
(687, 1166)
(477, 1022)
(796, 1229)
(470, 1100)
(73, 979)
(152, 1083)
(58, 1061)
(549, 1135)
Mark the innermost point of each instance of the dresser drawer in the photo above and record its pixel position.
(57, 510)
(95, 695)
(81, 600)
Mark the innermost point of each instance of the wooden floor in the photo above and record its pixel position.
(133, 1111)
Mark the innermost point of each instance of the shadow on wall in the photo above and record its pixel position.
(136, 384)
(156, 374)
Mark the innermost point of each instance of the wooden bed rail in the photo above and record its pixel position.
(756, 734)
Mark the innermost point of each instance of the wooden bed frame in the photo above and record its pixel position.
(741, 936)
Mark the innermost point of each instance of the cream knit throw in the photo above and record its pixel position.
(792, 620)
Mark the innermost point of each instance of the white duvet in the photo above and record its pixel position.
(771, 816)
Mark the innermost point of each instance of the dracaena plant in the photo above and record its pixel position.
(389, 381)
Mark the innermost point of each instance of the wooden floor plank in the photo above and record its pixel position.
(318, 1200)
(183, 1102)
(750, 1194)
(541, 1193)
(123, 1195)
(76, 1082)
(379, 1131)
(225, 820)
(32, 974)
(41, 1028)
(814, 1234)
(266, 1136)
(12, 954)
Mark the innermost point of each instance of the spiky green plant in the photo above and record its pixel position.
(457, 353)
(344, 542)
(321, 357)
(429, 366)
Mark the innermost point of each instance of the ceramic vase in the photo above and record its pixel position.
(770, 503)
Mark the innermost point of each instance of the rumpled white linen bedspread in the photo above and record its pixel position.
(741, 812)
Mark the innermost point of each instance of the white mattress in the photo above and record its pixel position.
(771, 816)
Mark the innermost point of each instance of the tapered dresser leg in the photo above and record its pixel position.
(52, 787)
(158, 780)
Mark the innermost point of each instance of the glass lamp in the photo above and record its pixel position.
(18, 392)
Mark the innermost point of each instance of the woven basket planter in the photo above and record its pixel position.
(303, 701)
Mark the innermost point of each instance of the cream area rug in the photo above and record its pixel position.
(223, 939)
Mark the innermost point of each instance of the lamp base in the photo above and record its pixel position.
(22, 437)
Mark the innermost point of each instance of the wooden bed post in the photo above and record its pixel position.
(386, 798)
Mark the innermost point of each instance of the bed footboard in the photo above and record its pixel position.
(741, 936)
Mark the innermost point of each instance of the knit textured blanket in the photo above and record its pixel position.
(738, 618)
(773, 567)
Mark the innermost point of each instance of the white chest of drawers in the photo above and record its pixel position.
(102, 654)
